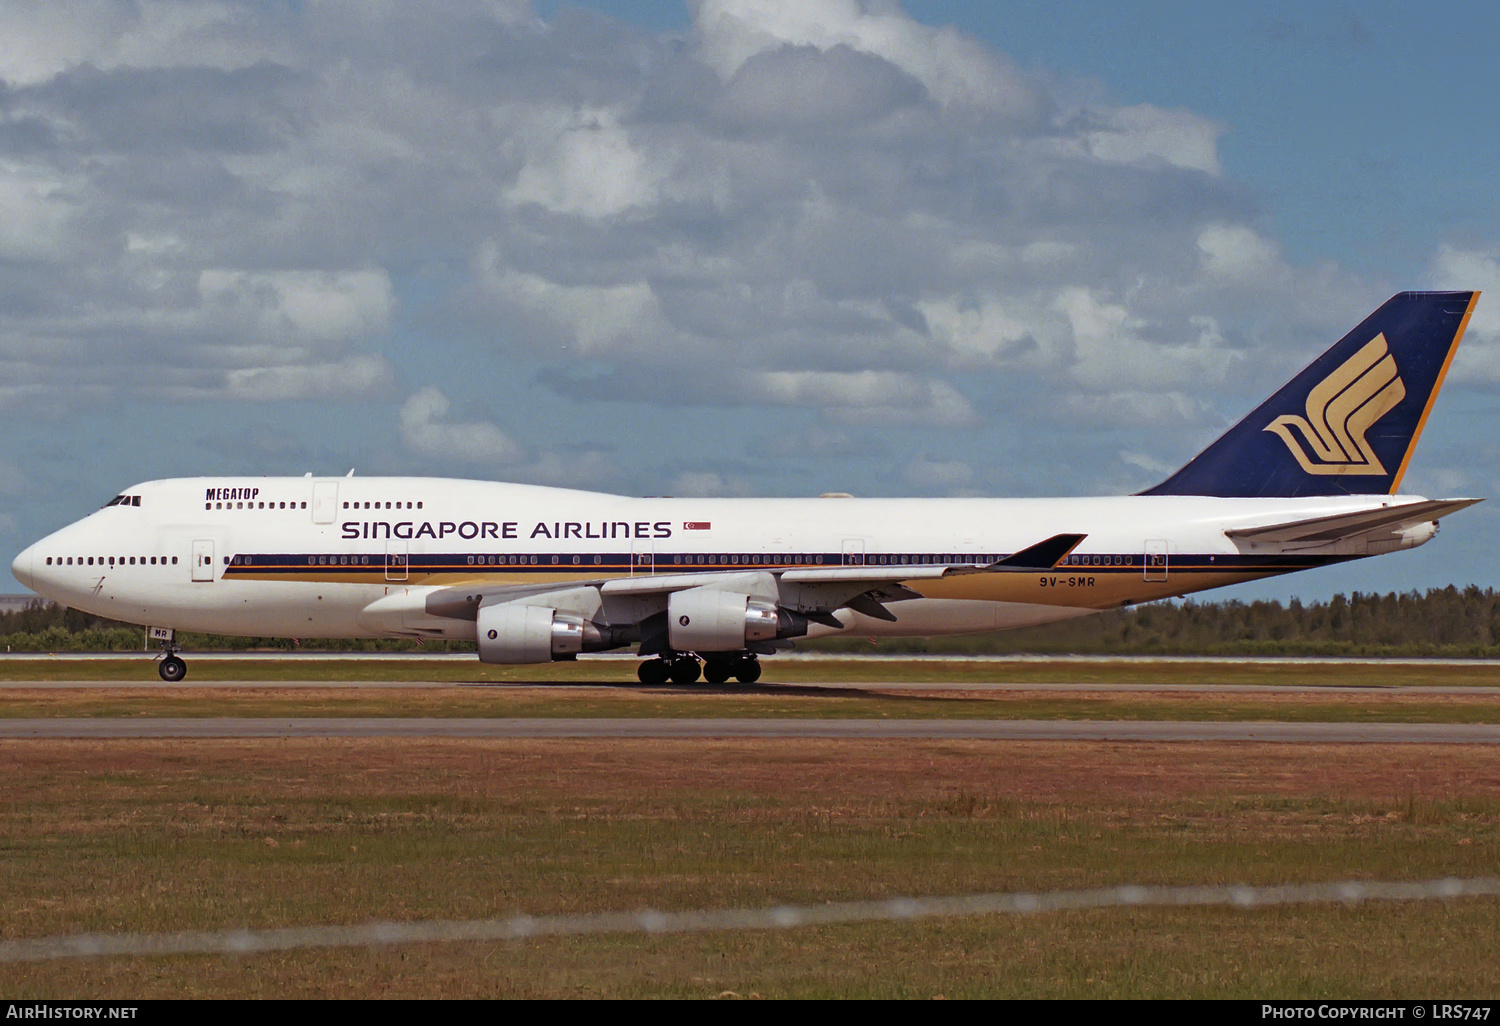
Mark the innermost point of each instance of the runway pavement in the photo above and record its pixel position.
(874, 687)
(602, 727)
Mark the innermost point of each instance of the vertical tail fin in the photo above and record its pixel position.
(1349, 422)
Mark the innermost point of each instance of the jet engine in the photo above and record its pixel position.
(710, 620)
(511, 632)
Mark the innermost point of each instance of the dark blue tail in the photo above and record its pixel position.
(1349, 422)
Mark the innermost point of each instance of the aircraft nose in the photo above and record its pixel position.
(21, 567)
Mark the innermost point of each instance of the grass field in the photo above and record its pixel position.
(801, 702)
(132, 835)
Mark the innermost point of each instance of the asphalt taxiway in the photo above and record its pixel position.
(614, 727)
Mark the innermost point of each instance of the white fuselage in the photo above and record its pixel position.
(323, 557)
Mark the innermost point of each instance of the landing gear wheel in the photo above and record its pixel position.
(717, 671)
(652, 672)
(172, 669)
(685, 670)
(747, 671)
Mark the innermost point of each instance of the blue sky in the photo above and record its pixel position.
(732, 247)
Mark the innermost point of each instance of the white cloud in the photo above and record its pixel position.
(824, 206)
(1148, 463)
(1110, 351)
(590, 318)
(1127, 408)
(954, 68)
(298, 306)
(988, 329)
(361, 375)
(427, 433)
(583, 163)
(1457, 268)
(709, 483)
(1145, 135)
(865, 397)
(37, 213)
(1238, 253)
(1453, 267)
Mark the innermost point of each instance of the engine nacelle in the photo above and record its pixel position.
(511, 632)
(710, 620)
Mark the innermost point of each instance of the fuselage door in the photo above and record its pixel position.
(395, 559)
(642, 556)
(325, 502)
(854, 552)
(1156, 559)
(203, 560)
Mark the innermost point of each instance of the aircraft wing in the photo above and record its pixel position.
(1042, 556)
(1327, 530)
(815, 591)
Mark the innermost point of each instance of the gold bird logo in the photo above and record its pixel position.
(1341, 409)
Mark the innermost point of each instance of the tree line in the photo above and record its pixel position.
(1440, 622)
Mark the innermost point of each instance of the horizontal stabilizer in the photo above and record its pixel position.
(1326, 530)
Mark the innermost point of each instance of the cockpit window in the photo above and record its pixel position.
(123, 500)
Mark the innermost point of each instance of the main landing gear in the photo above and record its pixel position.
(684, 669)
(171, 668)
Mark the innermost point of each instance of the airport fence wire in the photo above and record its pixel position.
(783, 917)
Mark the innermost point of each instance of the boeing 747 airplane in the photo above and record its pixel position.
(706, 586)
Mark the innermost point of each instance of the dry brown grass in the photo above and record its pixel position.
(153, 835)
(146, 835)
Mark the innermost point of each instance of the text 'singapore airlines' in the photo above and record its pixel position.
(707, 586)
